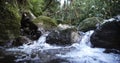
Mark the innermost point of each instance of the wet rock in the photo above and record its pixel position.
(20, 41)
(36, 35)
(7, 59)
(112, 51)
(63, 37)
(58, 60)
(107, 36)
(51, 55)
(28, 28)
(90, 24)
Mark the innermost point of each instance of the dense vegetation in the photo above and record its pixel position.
(9, 20)
(72, 12)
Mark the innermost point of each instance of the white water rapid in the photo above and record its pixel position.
(41, 52)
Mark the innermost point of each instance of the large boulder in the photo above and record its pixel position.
(107, 36)
(19, 41)
(90, 24)
(28, 28)
(63, 37)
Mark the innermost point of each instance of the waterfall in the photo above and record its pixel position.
(80, 52)
(85, 54)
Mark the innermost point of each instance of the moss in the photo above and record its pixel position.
(89, 23)
(9, 20)
(69, 30)
(47, 22)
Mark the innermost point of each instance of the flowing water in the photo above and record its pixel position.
(81, 52)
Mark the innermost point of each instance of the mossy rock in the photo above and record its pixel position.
(90, 23)
(9, 20)
(46, 22)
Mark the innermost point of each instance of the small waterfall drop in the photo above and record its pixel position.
(81, 52)
(85, 54)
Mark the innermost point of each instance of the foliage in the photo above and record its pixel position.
(9, 20)
(72, 12)
(90, 23)
(46, 22)
(113, 8)
(23, 5)
(50, 8)
(78, 10)
(45, 19)
(75, 11)
(36, 6)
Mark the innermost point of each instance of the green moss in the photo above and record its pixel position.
(89, 23)
(68, 30)
(9, 20)
(47, 22)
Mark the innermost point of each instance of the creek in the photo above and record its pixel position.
(41, 52)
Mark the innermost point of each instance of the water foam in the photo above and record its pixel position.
(85, 54)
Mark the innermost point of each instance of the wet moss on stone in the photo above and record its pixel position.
(46, 22)
(90, 23)
(9, 20)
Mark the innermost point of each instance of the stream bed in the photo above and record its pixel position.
(41, 52)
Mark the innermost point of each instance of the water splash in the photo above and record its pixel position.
(81, 52)
(37, 45)
(85, 54)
